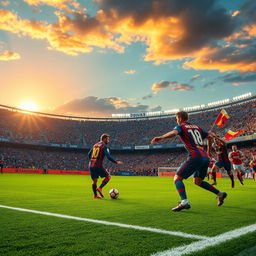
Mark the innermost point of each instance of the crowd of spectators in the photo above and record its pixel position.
(21, 127)
(144, 162)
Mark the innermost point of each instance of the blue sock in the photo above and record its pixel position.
(209, 187)
(181, 189)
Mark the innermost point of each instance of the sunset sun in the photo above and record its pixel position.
(28, 105)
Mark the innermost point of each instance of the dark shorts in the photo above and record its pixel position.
(254, 169)
(197, 166)
(225, 165)
(98, 172)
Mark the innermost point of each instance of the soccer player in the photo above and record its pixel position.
(236, 157)
(192, 137)
(253, 165)
(220, 147)
(96, 156)
(1, 164)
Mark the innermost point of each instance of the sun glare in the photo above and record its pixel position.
(28, 105)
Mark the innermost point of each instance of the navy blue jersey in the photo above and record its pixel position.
(192, 137)
(97, 154)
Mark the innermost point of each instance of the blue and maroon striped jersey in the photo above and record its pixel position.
(192, 137)
(222, 153)
(97, 153)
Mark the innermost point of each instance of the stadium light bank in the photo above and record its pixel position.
(188, 109)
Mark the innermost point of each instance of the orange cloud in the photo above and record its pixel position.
(9, 55)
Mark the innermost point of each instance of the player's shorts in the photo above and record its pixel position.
(239, 167)
(98, 172)
(254, 168)
(197, 166)
(225, 165)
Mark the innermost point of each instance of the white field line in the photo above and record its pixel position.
(203, 244)
(155, 230)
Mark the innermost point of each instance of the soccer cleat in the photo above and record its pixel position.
(100, 191)
(221, 198)
(180, 207)
(96, 197)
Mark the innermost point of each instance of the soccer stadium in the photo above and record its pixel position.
(127, 128)
(137, 223)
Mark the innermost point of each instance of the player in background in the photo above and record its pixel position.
(236, 157)
(96, 156)
(192, 137)
(253, 165)
(210, 166)
(220, 147)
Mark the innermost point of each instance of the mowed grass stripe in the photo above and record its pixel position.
(155, 230)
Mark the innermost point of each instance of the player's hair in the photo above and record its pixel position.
(183, 115)
(104, 136)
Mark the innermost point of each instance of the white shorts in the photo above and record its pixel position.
(239, 167)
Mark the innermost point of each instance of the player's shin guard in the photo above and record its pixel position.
(180, 188)
(105, 181)
(209, 187)
(94, 189)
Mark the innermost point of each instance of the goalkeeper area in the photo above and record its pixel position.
(166, 171)
(56, 215)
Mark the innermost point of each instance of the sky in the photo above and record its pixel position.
(103, 57)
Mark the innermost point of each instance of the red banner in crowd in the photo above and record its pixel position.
(68, 172)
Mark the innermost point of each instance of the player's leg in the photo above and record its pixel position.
(214, 170)
(184, 171)
(94, 188)
(104, 174)
(240, 173)
(227, 167)
(199, 181)
(94, 177)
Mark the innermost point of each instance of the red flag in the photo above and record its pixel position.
(231, 135)
(222, 118)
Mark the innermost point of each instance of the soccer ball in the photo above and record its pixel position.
(113, 193)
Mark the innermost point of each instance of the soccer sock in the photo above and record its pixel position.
(181, 189)
(94, 189)
(209, 187)
(105, 182)
(214, 176)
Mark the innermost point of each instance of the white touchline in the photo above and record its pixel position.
(211, 241)
(155, 230)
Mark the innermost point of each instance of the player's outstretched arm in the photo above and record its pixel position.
(168, 135)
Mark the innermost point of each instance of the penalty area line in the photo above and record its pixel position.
(109, 223)
(211, 241)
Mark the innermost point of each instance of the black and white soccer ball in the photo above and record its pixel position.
(114, 193)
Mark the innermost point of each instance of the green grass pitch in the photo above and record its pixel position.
(144, 201)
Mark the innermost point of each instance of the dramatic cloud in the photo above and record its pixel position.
(195, 77)
(174, 86)
(130, 72)
(94, 106)
(209, 35)
(9, 55)
(237, 78)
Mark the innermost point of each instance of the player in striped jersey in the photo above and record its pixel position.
(192, 136)
(96, 156)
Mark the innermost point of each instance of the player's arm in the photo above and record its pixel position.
(222, 141)
(209, 145)
(168, 135)
(109, 157)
